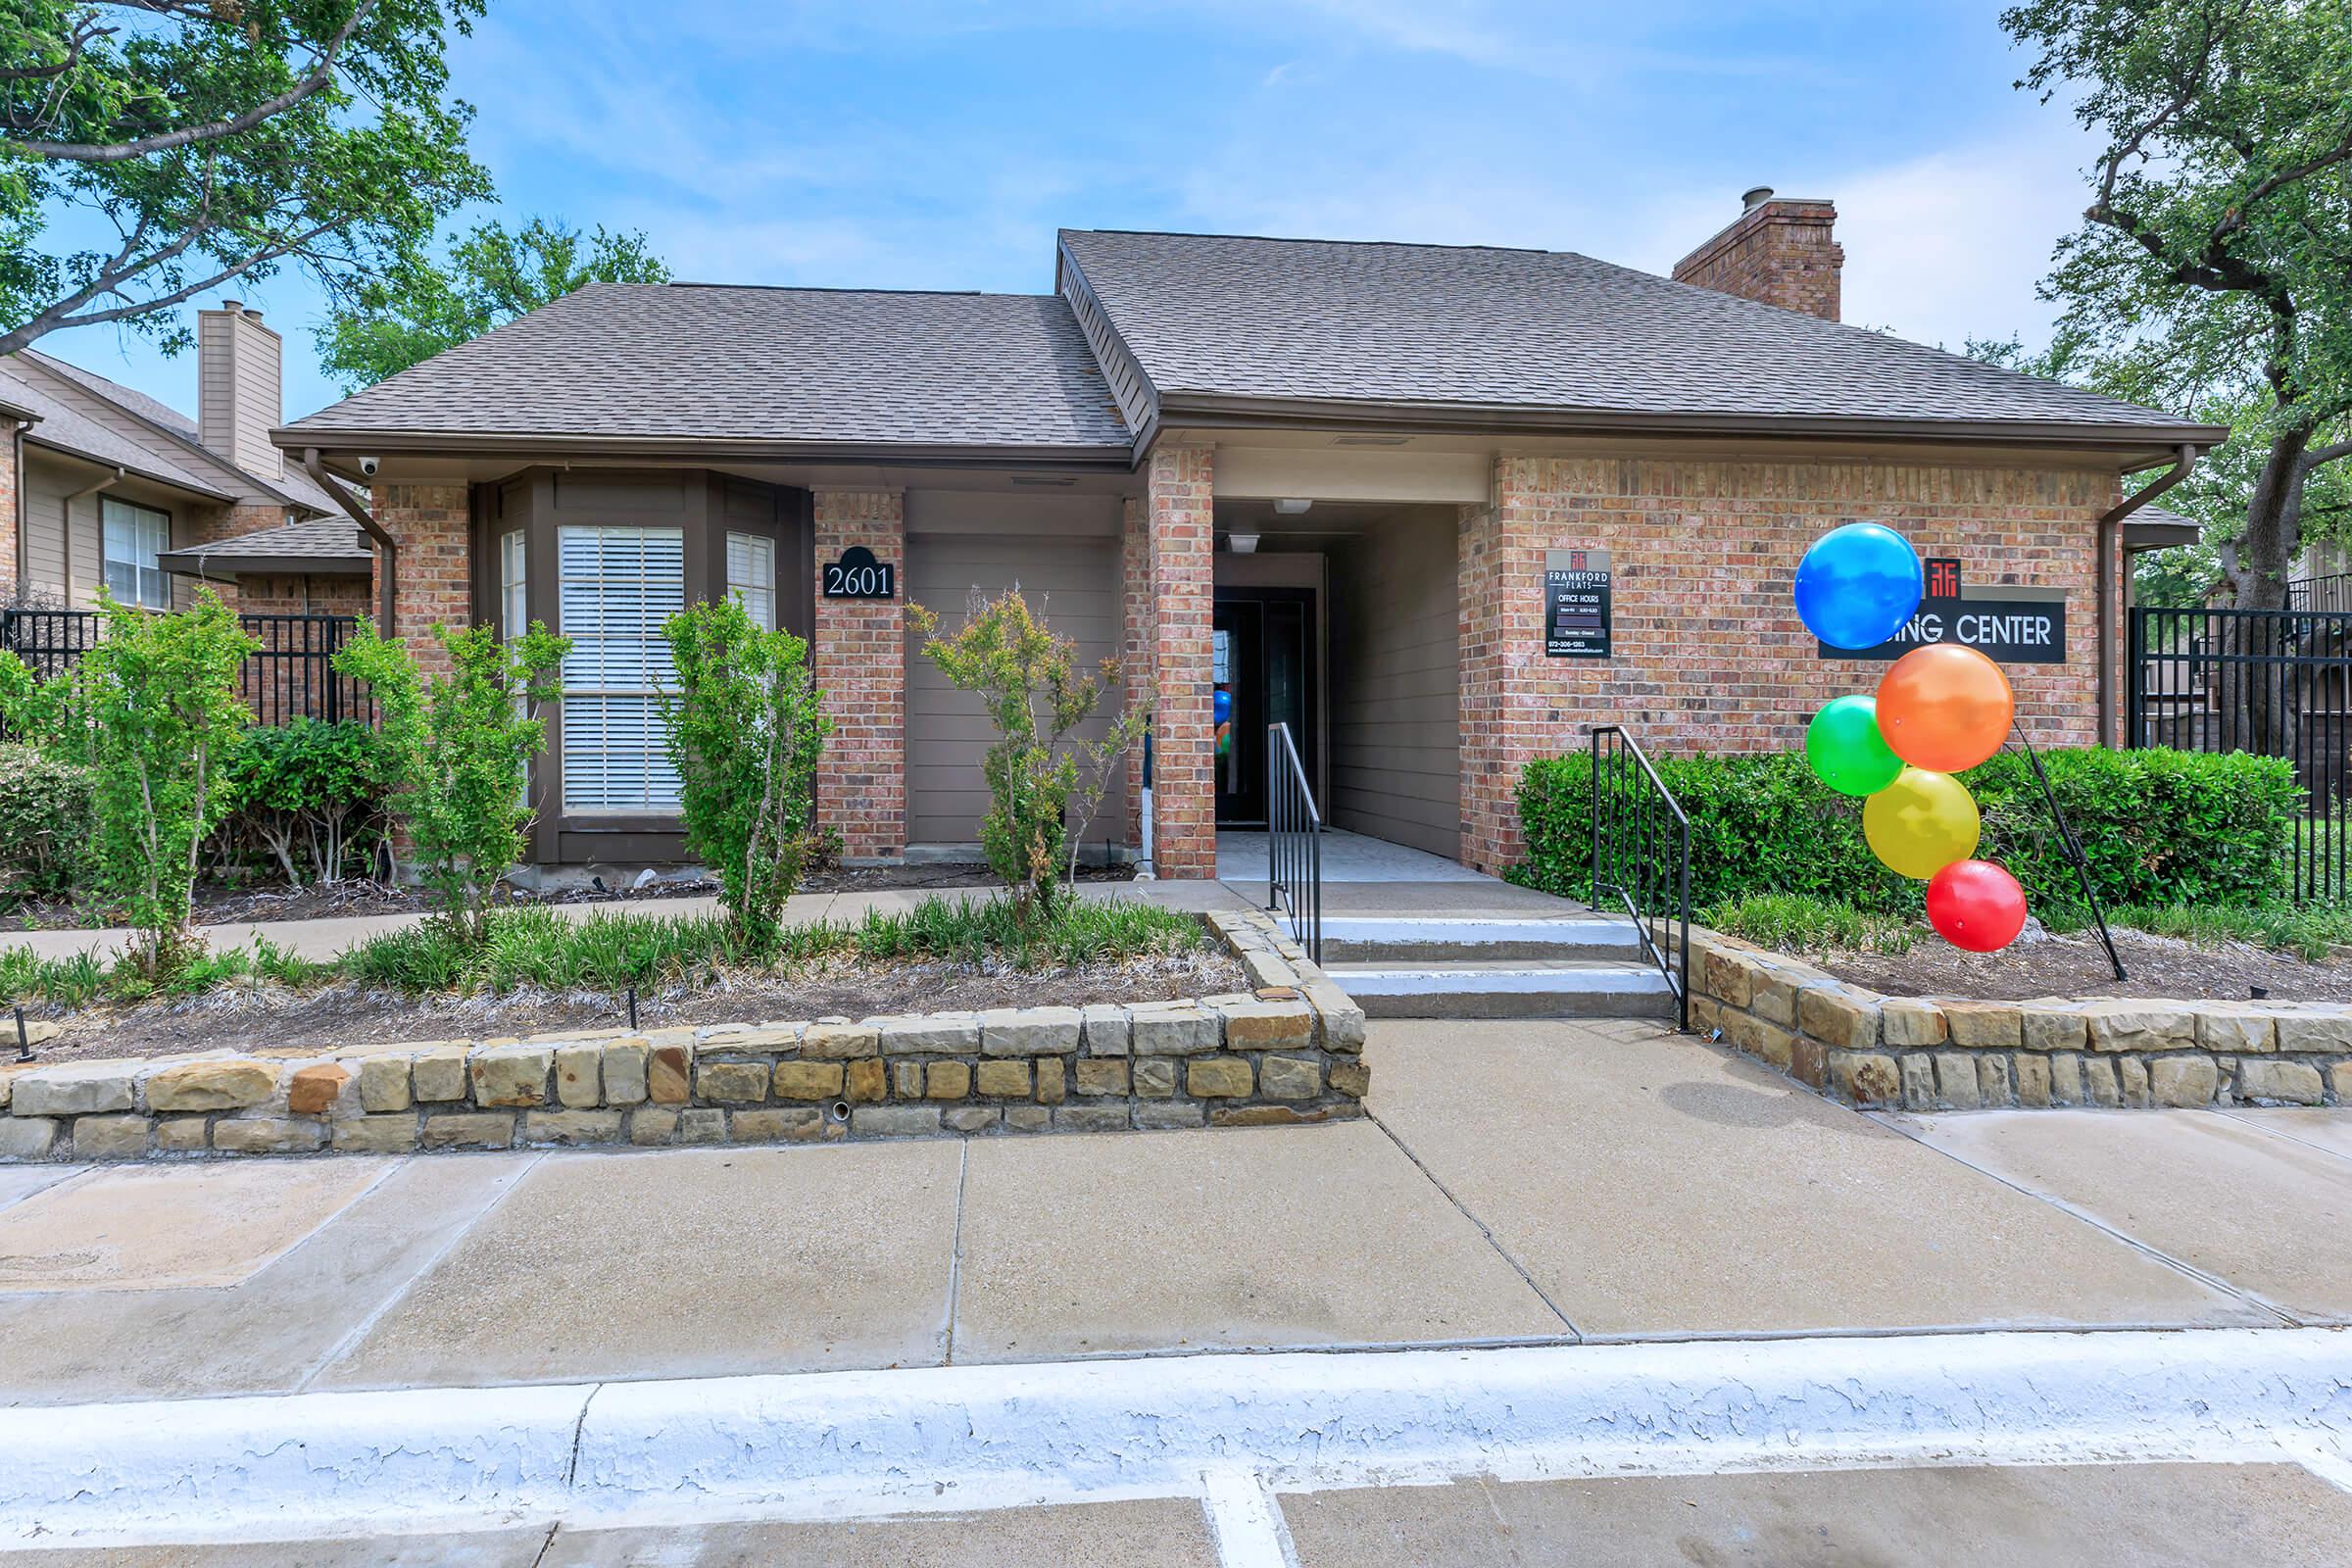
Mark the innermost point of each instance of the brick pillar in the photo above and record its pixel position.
(1182, 538)
(1501, 619)
(434, 576)
(10, 478)
(860, 659)
(1135, 644)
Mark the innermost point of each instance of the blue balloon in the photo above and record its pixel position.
(1223, 705)
(1859, 585)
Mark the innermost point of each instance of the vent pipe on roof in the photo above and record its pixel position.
(1754, 197)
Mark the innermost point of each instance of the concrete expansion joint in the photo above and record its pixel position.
(1222, 1427)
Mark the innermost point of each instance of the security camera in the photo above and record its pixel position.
(369, 466)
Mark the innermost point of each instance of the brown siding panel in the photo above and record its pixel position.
(1395, 684)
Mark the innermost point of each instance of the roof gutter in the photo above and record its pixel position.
(707, 451)
(2111, 570)
(387, 548)
(1212, 410)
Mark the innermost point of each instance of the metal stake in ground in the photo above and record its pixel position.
(2073, 849)
(23, 1042)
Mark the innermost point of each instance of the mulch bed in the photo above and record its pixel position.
(225, 906)
(2076, 966)
(273, 1021)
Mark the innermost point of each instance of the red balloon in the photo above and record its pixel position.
(1976, 905)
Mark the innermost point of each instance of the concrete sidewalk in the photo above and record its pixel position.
(1520, 1184)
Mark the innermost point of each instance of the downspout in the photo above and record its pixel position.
(65, 510)
(24, 560)
(2111, 569)
(387, 549)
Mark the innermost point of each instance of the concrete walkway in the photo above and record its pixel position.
(1547, 1185)
(1520, 1184)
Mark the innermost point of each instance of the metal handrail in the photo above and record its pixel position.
(1641, 854)
(1294, 842)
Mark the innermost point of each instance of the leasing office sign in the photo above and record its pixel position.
(2017, 627)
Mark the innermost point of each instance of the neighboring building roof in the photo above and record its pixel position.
(2154, 527)
(177, 454)
(717, 364)
(320, 547)
(1213, 320)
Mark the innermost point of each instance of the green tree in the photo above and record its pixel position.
(1037, 698)
(746, 725)
(459, 748)
(419, 307)
(152, 710)
(2213, 270)
(212, 140)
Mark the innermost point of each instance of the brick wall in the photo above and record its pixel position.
(1709, 654)
(304, 596)
(1135, 640)
(1780, 252)
(1182, 541)
(860, 658)
(435, 580)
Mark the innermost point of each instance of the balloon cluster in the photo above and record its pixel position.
(1941, 709)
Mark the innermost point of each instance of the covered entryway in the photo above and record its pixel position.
(1341, 621)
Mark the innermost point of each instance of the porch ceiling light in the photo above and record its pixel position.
(1242, 543)
(1292, 506)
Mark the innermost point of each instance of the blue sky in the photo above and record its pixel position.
(939, 143)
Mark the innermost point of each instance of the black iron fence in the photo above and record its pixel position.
(1642, 857)
(1293, 843)
(291, 675)
(2321, 593)
(2274, 682)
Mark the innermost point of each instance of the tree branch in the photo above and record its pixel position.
(2329, 454)
(214, 130)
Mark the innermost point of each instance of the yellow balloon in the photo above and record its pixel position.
(1920, 823)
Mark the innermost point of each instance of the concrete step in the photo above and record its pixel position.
(1553, 988)
(1462, 938)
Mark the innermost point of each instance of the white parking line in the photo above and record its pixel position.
(1246, 1521)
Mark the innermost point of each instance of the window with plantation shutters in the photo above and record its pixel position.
(617, 587)
(134, 540)
(752, 577)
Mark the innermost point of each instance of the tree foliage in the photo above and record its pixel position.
(745, 726)
(420, 306)
(1036, 699)
(2213, 270)
(152, 149)
(459, 748)
(152, 710)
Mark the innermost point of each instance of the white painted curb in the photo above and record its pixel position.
(986, 1437)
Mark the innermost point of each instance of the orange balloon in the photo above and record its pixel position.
(1944, 707)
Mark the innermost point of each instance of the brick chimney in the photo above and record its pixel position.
(240, 396)
(1778, 250)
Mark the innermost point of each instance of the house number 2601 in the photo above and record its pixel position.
(858, 575)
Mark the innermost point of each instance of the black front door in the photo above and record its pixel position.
(1264, 674)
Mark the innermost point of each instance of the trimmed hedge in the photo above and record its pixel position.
(44, 822)
(2156, 827)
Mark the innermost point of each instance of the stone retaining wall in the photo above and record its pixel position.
(1289, 1051)
(1917, 1053)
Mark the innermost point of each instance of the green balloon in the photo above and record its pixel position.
(1847, 750)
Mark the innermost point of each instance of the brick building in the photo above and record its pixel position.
(101, 485)
(1330, 480)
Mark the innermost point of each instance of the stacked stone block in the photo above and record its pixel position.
(1922, 1053)
(1286, 1052)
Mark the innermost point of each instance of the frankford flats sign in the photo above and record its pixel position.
(2015, 626)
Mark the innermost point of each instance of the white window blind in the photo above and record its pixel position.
(513, 608)
(618, 586)
(132, 538)
(752, 576)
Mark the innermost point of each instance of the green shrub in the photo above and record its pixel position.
(44, 822)
(152, 708)
(310, 796)
(745, 727)
(1039, 768)
(2156, 827)
(458, 751)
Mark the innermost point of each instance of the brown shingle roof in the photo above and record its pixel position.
(714, 362)
(321, 544)
(1229, 317)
